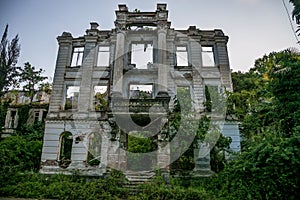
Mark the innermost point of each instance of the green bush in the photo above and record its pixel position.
(268, 170)
(17, 155)
(160, 190)
(34, 185)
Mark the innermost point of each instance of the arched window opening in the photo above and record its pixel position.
(66, 142)
(94, 149)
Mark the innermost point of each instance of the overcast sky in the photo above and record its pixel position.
(254, 27)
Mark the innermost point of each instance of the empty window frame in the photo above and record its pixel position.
(94, 149)
(184, 98)
(103, 56)
(66, 142)
(140, 91)
(208, 59)
(12, 119)
(72, 97)
(100, 98)
(141, 55)
(36, 117)
(182, 56)
(77, 56)
(215, 100)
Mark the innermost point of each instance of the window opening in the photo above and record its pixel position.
(44, 116)
(77, 56)
(72, 97)
(66, 142)
(184, 99)
(141, 55)
(208, 57)
(141, 91)
(100, 98)
(36, 116)
(181, 56)
(94, 149)
(214, 99)
(141, 28)
(13, 114)
(103, 56)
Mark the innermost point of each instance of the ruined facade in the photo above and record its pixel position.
(107, 81)
(37, 110)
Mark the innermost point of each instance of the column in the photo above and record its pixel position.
(198, 86)
(224, 63)
(86, 85)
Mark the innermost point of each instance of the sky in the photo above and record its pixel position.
(254, 27)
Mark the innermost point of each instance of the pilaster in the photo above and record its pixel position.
(63, 60)
(162, 62)
(119, 63)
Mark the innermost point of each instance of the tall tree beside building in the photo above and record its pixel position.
(9, 54)
(31, 79)
(296, 11)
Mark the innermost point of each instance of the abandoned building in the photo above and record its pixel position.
(107, 81)
(37, 111)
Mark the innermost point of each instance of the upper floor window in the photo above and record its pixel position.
(77, 56)
(103, 56)
(208, 56)
(181, 56)
(141, 55)
(100, 98)
(72, 97)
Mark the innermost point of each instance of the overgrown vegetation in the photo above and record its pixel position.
(20, 153)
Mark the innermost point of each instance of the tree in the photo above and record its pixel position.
(268, 97)
(9, 54)
(296, 13)
(31, 78)
(285, 85)
(46, 87)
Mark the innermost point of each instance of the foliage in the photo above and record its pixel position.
(23, 113)
(31, 78)
(267, 170)
(101, 101)
(269, 111)
(182, 117)
(183, 125)
(140, 148)
(285, 86)
(160, 190)
(272, 100)
(46, 87)
(33, 185)
(296, 11)
(32, 132)
(9, 54)
(18, 154)
(3, 110)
